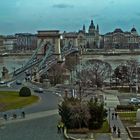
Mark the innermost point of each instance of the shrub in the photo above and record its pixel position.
(24, 92)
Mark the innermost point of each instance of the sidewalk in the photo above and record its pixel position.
(29, 117)
(111, 101)
(118, 123)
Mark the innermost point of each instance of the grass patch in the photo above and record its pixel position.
(12, 100)
(127, 114)
(128, 118)
(103, 129)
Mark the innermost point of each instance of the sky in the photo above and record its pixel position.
(68, 15)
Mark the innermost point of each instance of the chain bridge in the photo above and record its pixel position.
(49, 42)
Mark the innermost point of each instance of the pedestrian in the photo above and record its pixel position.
(5, 116)
(58, 128)
(23, 114)
(62, 126)
(119, 132)
(116, 115)
(14, 116)
(112, 116)
(114, 129)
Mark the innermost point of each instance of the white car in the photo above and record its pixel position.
(18, 82)
(39, 90)
(2, 82)
(134, 101)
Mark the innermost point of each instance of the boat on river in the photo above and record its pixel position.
(4, 54)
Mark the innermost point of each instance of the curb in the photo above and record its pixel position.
(68, 137)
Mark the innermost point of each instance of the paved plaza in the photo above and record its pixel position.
(34, 129)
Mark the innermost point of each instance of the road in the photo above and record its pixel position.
(125, 97)
(38, 129)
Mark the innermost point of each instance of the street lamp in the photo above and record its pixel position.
(109, 118)
(14, 71)
(137, 80)
(80, 96)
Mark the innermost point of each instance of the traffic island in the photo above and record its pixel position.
(11, 100)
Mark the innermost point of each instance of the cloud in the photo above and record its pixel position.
(61, 6)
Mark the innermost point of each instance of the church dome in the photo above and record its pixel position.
(118, 30)
(133, 29)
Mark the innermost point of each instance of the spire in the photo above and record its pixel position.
(84, 28)
(97, 27)
(92, 25)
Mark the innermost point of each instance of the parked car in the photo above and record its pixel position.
(134, 101)
(39, 90)
(18, 82)
(2, 82)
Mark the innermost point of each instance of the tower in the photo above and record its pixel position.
(84, 28)
(97, 28)
(91, 27)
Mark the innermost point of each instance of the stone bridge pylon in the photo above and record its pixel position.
(50, 38)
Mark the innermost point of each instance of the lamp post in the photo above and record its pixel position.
(80, 96)
(14, 71)
(136, 79)
(109, 119)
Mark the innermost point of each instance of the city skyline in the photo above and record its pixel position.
(30, 16)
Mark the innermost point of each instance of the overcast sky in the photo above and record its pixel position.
(70, 15)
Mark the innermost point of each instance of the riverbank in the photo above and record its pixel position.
(86, 52)
(18, 54)
(111, 53)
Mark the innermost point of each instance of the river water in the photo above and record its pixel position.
(12, 62)
(15, 62)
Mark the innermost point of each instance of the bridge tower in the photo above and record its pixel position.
(52, 38)
(70, 39)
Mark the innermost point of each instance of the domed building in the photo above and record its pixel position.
(119, 39)
(90, 39)
(134, 31)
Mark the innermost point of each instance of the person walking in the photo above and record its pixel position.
(14, 116)
(119, 132)
(116, 115)
(62, 126)
(58, 128)
(114, 129)
(5, 116)
(112, 115)
(23, 114)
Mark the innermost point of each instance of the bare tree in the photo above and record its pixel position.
(56, 74)
(94, 73)
(133, 68)
(127, 73)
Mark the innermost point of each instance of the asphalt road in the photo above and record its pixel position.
(38, 129)
(124, 98)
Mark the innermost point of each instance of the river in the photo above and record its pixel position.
(12, 62)
(15, 62)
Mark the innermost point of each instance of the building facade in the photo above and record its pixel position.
(90, 39)
(118, 39)
(25, 42)
(9, 43)
(2, 48)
